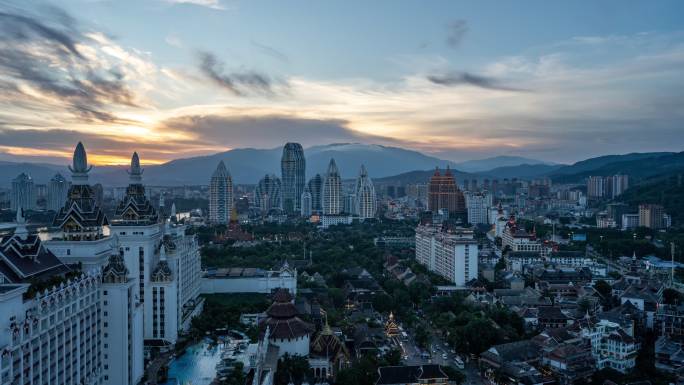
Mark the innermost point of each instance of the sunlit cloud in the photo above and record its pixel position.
(116, 98)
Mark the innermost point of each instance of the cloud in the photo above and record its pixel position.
(465, 78)
(272, 52)
(456, 31)
(213, 4)
(239, 83)
(61, 81)
(272, 129)
(44, 60)
(173, 41)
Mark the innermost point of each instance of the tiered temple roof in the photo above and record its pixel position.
(24, 258)
(135, 208)
(282, 319)
(162, 273)
(115, 271)
(80, 218)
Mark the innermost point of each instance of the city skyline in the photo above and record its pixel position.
(223, 78)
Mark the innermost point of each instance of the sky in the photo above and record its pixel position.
(555, 81)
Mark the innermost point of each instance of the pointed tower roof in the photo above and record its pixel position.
(221, 171)
(58, 178)
(21, 230)
(115, 271)
(332, 167)
(363, 173)
(162, 273)
(135, 173)
(79, 169)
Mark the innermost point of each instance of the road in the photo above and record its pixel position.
(438, 350)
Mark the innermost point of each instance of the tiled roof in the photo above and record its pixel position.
(24, 258)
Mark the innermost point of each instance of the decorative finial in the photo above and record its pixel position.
(135, 173)
(173, 216)
(21, 230)
(79, 169)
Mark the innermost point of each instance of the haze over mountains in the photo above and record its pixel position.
(385, 164)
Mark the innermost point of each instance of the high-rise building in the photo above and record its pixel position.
(652, 216)
(451, 255)
(306, 204)
(331, 193)
(629, 221)
(293, 167)
(164, 261)
(220, 195)
(366, 201)
(617, 184)
(478, 204)
(615, 212)
(599, 187)
(111, 341)
(41, 192)
(57, 192)
(23, 193)
(315, 186)
(443, 194)
(596, 188)
(267, 195)
(349, 204)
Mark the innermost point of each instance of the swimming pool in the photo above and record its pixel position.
(197, 366)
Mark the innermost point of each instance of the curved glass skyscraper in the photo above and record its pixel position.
(293, 168)
(267, 193)
(315, 187)
(331, 196)
(366, 203)
(220, 195)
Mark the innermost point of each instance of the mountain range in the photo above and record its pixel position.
(495, 162)
(247, 165)
(385, 164)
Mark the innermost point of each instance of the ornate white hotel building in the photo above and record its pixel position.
(451, 255)
(91, 327)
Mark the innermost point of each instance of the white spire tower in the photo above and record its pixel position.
(79, 169)
(135, 173)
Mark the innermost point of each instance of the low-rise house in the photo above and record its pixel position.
(513, 362)
(669, 355)
(575, 276)
(362, 290)
(570, 361)
(520, 299)
(545, 317)
(670, 321)
(611, 346)
(645, 300)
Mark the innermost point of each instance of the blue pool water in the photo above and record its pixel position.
(197, 366)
